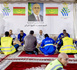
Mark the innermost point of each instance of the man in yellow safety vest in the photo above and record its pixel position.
(58, 63)
(67, 45)
(6, 44)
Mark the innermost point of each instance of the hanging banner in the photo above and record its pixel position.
(52, 18)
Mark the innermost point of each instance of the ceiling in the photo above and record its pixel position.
(38, 1)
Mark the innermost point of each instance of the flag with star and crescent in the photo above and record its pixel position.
(19, 11)
(51, 11)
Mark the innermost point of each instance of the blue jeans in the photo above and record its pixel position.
(16, 46)
(32, 52)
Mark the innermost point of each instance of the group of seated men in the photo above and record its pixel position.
(33, 44)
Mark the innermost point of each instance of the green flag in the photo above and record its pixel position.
(51, 11)
(29, 9)
(19, 11)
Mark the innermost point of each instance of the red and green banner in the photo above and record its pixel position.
(51, 11)
(19, 11)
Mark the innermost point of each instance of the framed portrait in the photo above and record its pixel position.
(35, 11)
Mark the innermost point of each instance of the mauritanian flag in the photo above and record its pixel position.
(29, 9)
(19, 11)
(51, 11)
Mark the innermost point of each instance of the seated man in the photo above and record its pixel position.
(30, 44)
(12, 35)
(21, 36)
(47, 46)
(6, 44)
(40, 37)
(58, 41)
(61, 35)
(67, 45)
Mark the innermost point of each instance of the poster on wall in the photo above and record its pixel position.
(35, 17)
(35, 11)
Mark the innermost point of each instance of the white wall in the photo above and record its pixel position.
(50, 25)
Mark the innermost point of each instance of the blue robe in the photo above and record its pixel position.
(22, 37)
(47, 46)
(60, 35)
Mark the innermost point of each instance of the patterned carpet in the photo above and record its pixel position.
(22, 61)
(23, 54)
(35, 66)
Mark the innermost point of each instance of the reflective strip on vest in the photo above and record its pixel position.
(6, 47)
(46, 45)
(56, 66)
(68, 49)
(58, 42)
(8, 50)
(68, 45)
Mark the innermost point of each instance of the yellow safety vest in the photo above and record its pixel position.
(54, 65)
(6, 45)
(68, 46)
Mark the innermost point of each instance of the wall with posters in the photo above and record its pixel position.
(53, 17)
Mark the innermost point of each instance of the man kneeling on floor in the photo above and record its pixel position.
(47, 46)
(6, 44)
(30, 44)
(67, 45)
